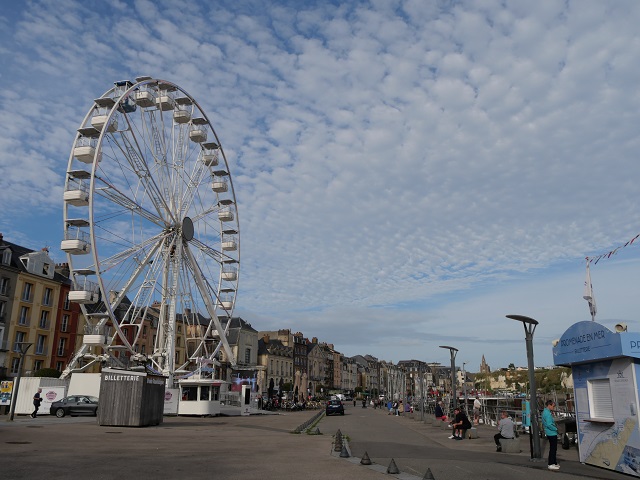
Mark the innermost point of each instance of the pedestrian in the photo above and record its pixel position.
(400, 408)
(506, 430)
(551, 431)
(37, 399)
(390, 406)
(439, 411)
(354, 402)
(395, 408)
(476, 410)
(460, 424)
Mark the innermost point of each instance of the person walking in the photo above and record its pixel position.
(506, 430)
(37, 399)
(551, 431)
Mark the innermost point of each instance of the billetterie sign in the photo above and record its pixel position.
(112, 377)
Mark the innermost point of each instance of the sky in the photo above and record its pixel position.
(407, 173)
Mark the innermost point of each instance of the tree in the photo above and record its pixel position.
(48, 373)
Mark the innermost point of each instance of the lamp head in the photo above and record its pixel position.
(621, 327)
(555, 342)
(523, 319)
(450, 348)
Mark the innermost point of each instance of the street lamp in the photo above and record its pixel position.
(23, 347)
(530, 325)
(453, 351)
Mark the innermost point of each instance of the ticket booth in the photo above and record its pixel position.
(606, 367)
(201, 396)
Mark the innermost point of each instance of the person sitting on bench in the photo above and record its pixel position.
(506, 430)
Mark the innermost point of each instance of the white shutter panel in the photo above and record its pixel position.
(601, 401)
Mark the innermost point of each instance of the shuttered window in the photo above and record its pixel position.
(600, 401)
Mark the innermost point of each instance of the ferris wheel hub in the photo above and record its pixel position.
(187, 229)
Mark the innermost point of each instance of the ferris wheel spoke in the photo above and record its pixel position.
(110, 192)
(131, 151)
(130, 252)
(204, 291)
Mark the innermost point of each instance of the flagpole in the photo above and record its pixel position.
(588, 293)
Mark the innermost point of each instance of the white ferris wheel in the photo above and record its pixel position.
(151, 231)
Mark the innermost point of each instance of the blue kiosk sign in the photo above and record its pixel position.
(605, 367)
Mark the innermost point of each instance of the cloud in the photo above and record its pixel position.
(384, 155)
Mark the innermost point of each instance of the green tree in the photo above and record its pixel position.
(48, 373)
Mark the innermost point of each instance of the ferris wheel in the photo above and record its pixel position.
(150, 231)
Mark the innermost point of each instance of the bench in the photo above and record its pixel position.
(510, 445)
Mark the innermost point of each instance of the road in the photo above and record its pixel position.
(262, 447)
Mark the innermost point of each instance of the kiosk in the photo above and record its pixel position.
(201, 396)
(606, 368)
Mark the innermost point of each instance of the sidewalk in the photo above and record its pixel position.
(469, 458)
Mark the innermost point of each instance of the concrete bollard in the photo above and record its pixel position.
(393, 468)
(365, 459)
(473, 432)
(344, 453)
(428, 475)
(510, 445)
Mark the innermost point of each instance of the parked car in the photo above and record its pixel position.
(335, 406)
(75, 405)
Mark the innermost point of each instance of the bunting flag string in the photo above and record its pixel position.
(597, 258)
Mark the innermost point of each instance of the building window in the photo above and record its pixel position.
(3, 308)
(67, 303)
(19, 339)
(24, 316)
(62, 344)
(27, 292)
(44, 319)
(6, 256)
(40, 345)
(64, 324)
(600, 401)
(59, 366)
(15, 363)
(247, 355)
(4, 286)
(46, 298)
(37, 365)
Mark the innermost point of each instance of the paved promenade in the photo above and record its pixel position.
(262, 447)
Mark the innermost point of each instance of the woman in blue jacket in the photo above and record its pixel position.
(551, 431)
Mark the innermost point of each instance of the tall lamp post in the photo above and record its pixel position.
(453, 351)
(23, 347)
(530, 325)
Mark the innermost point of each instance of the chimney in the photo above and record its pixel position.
(265, 337)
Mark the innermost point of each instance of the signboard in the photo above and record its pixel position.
(6, 389)
(50, 395)
(171, 397)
